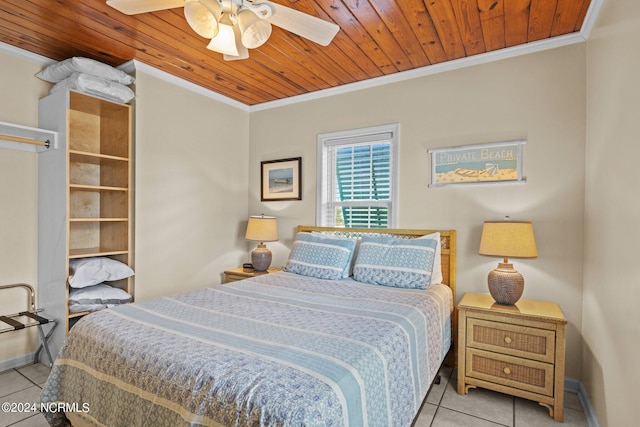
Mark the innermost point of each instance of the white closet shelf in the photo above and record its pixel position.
(25, 138)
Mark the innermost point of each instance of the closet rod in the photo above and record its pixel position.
(25, 140)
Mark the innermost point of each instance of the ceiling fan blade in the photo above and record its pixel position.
(133, 7)
(307, 26)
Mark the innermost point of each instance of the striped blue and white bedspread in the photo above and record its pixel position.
(277, 350)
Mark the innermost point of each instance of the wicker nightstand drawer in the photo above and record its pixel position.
(520, 341)
(528, 375)
(515, 349)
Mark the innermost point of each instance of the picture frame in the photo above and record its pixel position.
(490, 163)
(281, 179)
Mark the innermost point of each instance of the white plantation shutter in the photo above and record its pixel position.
(356, 182)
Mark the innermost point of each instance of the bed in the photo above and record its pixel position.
(290, 348)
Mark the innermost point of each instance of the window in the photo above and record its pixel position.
(357, 178)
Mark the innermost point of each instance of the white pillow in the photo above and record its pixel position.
(85, 272)
(55, 73)
(96, 86)
(436, 273)
(96, 297)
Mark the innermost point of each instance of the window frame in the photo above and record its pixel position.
(350, 137)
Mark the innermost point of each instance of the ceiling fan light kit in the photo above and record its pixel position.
(234, 25)
(254, 29)
(237, 25)
(225, 41)
(202, 17)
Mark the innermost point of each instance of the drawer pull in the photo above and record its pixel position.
(507, 340)
(506, 371)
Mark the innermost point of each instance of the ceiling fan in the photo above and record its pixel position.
(234, 26)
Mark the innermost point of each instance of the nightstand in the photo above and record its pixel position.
(240, 274)
(514, 349)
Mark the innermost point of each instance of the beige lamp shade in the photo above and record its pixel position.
(262, 229)
(508, 239)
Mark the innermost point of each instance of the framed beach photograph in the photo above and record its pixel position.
(496, 162)
(281, 179)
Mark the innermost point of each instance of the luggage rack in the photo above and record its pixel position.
(28, 319)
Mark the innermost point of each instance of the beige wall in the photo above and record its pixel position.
(190, 196)
(188, 191)
(191, 188)
(19, 94)
(538, 97)
(611, 317)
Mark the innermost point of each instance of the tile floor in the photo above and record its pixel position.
(484, 408)
(22, 385)
(444, 406)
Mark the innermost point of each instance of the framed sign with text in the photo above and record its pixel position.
(497, 162)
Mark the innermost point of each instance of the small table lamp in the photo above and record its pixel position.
(507, 239)
(261, 229)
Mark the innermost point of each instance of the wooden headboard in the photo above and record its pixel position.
(448, 257)
(447, 240)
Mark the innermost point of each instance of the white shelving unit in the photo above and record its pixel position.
(85, 203)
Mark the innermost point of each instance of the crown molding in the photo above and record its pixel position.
(136, 65)
(456, 64)
(25, 54)
(496, 55)
(592, 14)
(590, 19)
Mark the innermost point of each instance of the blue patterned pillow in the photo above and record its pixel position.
(401, 263)
(317, 256)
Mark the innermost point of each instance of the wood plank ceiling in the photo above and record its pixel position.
(376, 38)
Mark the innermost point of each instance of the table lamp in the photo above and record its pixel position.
(507, 239)
(261, 229)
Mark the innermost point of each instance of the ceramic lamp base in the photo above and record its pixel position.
(506, 285)
(261, 258)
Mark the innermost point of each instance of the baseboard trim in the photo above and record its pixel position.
(575, 386)
(17, 362)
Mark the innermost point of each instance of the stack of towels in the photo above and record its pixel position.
(91, 77)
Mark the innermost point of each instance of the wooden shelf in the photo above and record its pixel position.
(93, 158)
(91, 252)
(81, 187)
(79, 314)
(98, 233)
(98, 219)
(99, 178)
